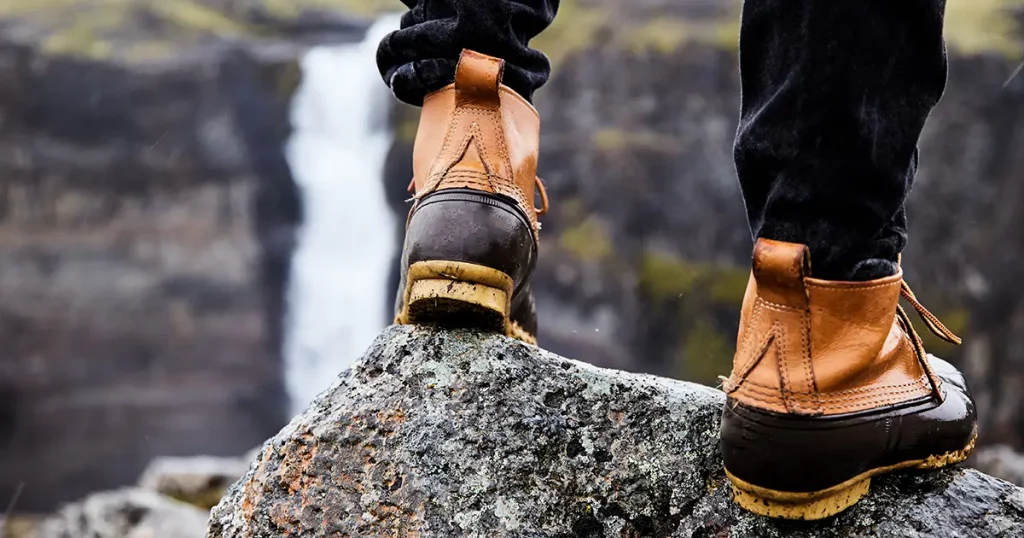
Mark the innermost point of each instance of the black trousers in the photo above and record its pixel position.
(835, 94)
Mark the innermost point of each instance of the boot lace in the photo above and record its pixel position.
(543, 209)
(930, 320)
(933, 324)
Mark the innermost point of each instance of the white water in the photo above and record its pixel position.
(336, 297)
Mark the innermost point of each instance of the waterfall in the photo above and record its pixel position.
(337, 297)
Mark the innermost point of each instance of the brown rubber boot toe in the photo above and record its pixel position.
(471, 239)
(830, 387)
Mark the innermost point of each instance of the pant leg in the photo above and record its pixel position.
(834, 96)
(421, 57)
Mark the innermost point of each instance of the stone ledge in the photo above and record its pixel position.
(458, 433)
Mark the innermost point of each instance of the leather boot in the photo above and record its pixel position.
(831, 386)
(471, 238)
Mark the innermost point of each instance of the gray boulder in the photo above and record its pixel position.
(126, 513)
(198, 480)
(457, 433)
(1001, 461)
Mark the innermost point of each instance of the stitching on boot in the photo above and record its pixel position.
(742, 348)
(829, 401)
(780, 361)
(756, 358)
(812, 383)
(922, 381)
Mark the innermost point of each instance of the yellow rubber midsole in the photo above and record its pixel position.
(465, 292)
(828, 502)
(463, 282)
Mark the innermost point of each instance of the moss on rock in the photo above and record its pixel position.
(618, 140)
(702, 302)
(91, 28)
(589, 240)
(706, 352)
(664, 275)
(142, 30)
(980, 26)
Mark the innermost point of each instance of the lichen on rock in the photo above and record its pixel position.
(459, 433)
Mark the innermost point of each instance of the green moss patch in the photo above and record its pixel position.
(978, 26)
(701, 301)
(706, 352)
(664, 275)
(139, 30)
(588, 241)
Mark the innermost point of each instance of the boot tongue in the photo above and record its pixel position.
(779, 269)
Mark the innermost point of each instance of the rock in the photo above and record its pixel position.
(457, 433)
(1001, 461)
(252, 454)
(126, 513)
(199, 481)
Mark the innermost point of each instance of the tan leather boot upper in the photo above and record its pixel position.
(816, 347)
(479, 134)
(830, 387)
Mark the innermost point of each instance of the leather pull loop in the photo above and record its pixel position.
(477, 79)
(780, 269)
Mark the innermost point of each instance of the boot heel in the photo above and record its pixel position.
(457, 294)
(802, 506)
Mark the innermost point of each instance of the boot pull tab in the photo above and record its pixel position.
(477, 79)
(779, 269)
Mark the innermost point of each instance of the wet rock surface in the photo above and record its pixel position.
(457, 433)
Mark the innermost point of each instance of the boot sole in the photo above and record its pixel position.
(460, 294)
(825, 503)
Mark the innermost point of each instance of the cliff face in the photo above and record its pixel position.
(456, 433)
(146, 223)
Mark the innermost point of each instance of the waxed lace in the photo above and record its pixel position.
(933, 324)
(543, 198)
(930, 320)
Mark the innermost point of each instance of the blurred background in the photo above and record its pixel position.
(201, 203)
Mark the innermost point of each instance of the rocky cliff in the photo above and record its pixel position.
(146, 223)
(456, 433)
